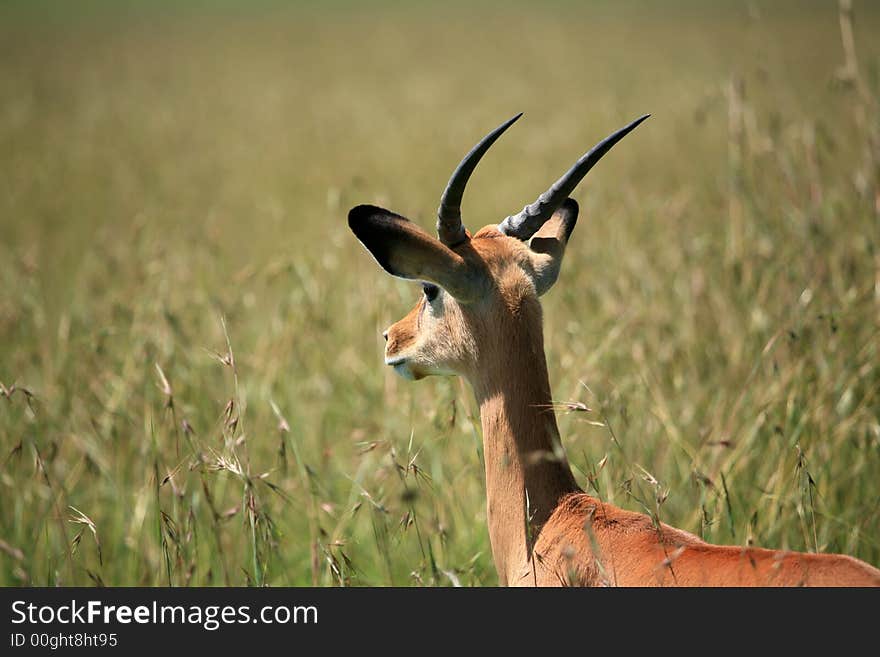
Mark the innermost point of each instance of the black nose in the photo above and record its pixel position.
(385, 335)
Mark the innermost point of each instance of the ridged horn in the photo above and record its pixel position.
(526, 223)
(449, 227)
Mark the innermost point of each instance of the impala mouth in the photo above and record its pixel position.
(402, 367)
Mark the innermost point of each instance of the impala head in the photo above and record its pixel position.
(480, 291)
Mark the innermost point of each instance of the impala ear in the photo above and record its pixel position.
(406, 251)
(549, 242)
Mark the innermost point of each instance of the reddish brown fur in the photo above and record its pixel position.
(631, 551)
(543, 529)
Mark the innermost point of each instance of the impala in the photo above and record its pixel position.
(480, 318)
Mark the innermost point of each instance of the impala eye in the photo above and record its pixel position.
(430, 291)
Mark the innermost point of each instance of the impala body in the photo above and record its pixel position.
(480, 318)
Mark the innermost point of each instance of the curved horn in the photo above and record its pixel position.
(532, 217)
(449, 226)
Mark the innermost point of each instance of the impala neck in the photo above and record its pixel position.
(526, 470)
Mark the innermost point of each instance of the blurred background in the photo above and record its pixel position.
(190, 338)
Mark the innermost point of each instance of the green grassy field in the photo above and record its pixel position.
(194, 336)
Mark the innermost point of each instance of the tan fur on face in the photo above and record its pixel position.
(442, 337)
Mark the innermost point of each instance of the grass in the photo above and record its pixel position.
(190, 338)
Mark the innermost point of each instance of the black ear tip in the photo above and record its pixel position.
(374, 228)
(570, 211)
(571, 206)
(360, 213)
